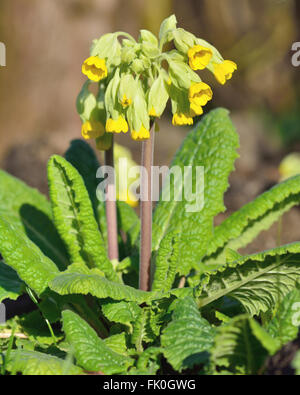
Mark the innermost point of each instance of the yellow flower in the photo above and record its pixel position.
(199, 57)
(94, 68)
(200, 93)
(152, 112)
(92, 129)
(116, 126)
(128, 197)
(223, 71)
(196, 110)
(125, 101)
(142, 134)
(180, 119)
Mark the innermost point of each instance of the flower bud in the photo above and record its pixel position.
(158, 97)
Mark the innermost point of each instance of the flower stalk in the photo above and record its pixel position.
(111, 209)
(146, 211)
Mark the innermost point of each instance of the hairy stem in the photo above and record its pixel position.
(146, 212)
(111, 209)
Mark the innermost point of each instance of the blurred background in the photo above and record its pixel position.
(47, 40)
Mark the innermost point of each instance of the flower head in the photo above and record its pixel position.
(180, 119)
(92, 129)
(116, 126)
(141, 135)
(223, 71)
(94, 68)
(199, 57)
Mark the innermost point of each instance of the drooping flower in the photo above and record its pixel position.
(141, 135)
(92, 129)
(116, 126)
(94, 68)
(199, 57)
(223, 71)
(180, 119)
(200, 93)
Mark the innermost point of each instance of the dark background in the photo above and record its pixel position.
(47, 40)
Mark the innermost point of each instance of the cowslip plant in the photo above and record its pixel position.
(210, 310)
(135, 80)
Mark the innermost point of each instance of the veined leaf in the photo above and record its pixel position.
(31, 363)
(258, 281)
(31, 265)
(90, 351)
(166, 263)
(211, 144)
(124, 313)
(244, 225)
(117, 343)
(188, 338)
(81, 155)
(74, 217)
(100, 287)
(237, 348)
(30, 212)
(10, 284)
(284, 327)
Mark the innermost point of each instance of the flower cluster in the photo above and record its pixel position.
(137, 78)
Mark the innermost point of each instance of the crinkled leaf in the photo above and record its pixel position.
(80, 283)
(284, 327)
(211, 144)
(31, 363)
(90, 351)
(237, 348)
(74, 217)
(30, 212)
(258, 281)
(122, 312)
(244, 225)
(81, 155)
(117, 343)
(187, 340)
(31, 265)
(166, 263)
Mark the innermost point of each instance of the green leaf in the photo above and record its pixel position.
(31, 363)
(124, 313)
(31, 265)
(211, 144)
(30, 212)
(128, 222)
(90, 351)
(187, 340)
(144, 329)
(100, 287)
(244, 225)
(258, 281)
(81, 155)
(237, 348)
(10, 284)
(166, 263)
(149, 361)
(74, 217)
(284, 327)
(117, 343)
